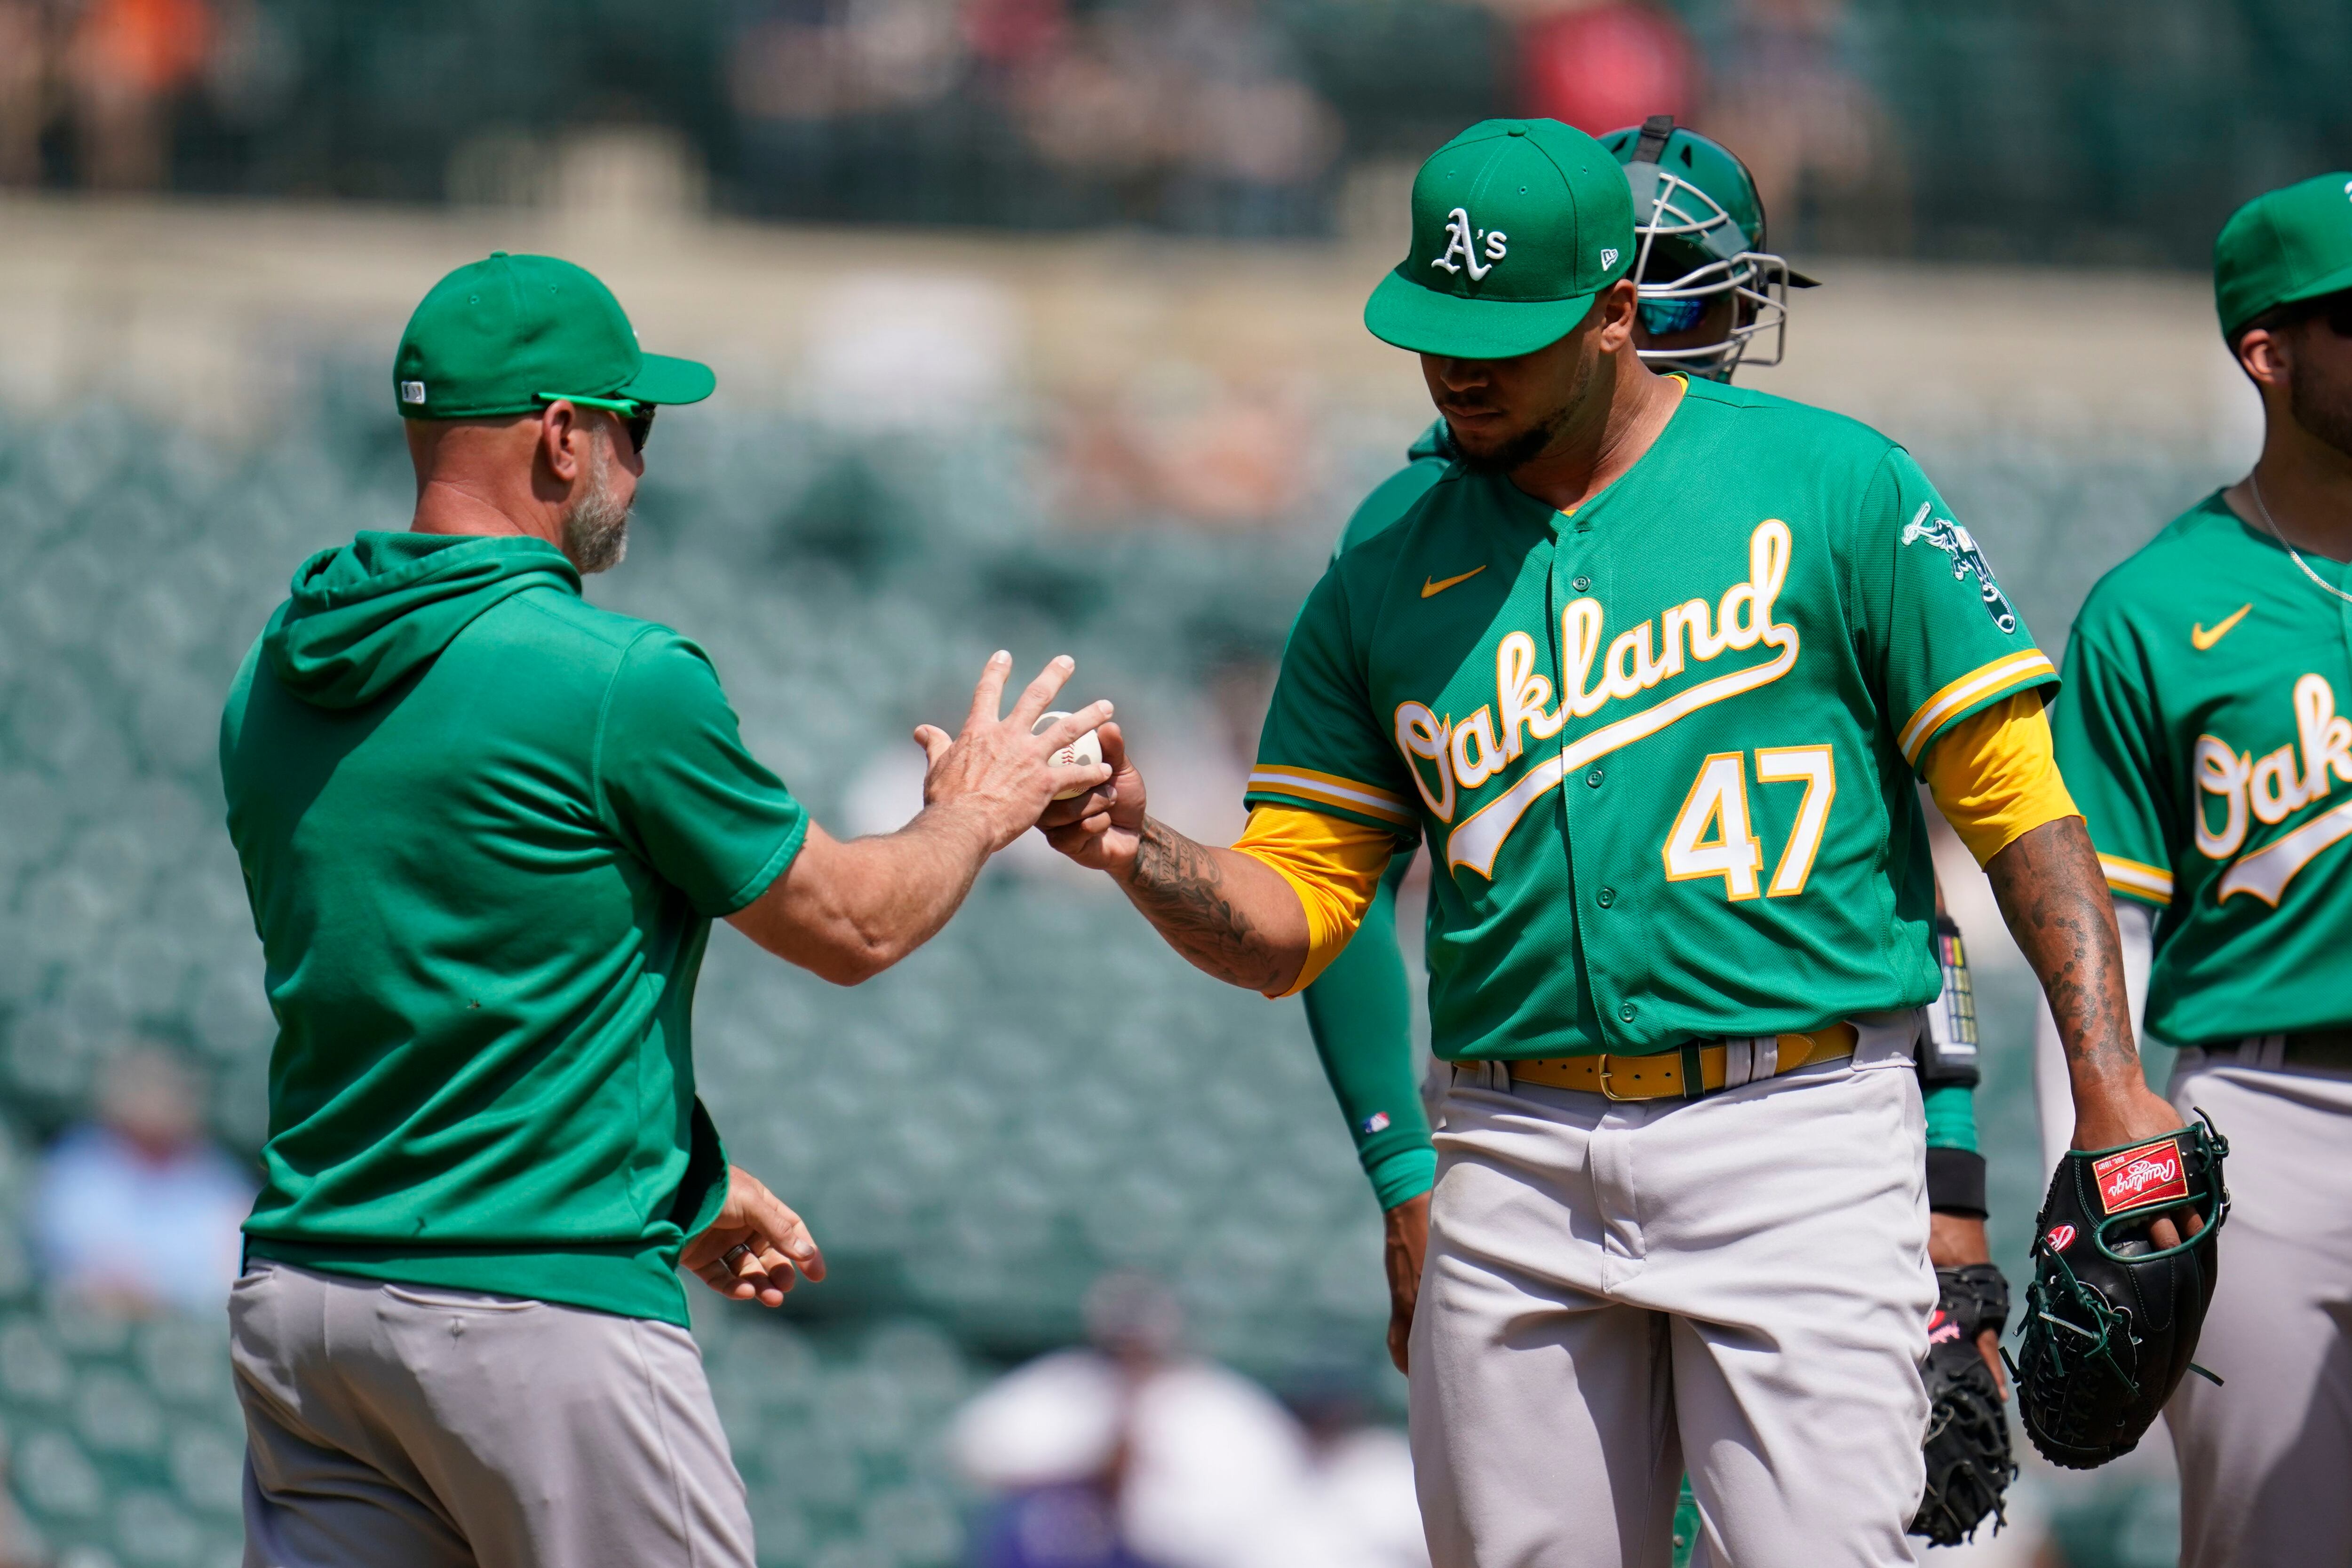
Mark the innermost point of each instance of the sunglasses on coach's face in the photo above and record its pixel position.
(636, 417)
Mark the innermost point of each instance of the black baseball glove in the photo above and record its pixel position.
(1968, 1462)
(2110, 1319)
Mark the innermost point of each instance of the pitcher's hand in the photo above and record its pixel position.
(995, 769)
(2132, 1112)
(1103, 828)
(1404, 1246)
(752, 1250)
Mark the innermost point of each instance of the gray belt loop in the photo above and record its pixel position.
(1493, 1076)
(2269, 1052)
(1739, 1061)
(1767, 1056)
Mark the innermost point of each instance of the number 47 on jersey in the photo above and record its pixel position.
(1712, 835)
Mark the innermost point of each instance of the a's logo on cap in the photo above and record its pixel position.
(412, 391)
(1607, 259)
(1461, 240)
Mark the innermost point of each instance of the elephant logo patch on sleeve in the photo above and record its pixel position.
(1968, 560)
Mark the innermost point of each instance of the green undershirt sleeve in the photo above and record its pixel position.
(1952, 1117)
(1359, 1010)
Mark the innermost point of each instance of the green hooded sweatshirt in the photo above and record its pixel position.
(485, 828)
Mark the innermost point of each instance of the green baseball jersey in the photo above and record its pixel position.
(2202, 738)
(1661, 749)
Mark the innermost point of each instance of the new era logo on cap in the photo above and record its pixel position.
(412, 391)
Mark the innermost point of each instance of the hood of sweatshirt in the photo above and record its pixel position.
(364, 616)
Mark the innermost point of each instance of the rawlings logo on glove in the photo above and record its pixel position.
(2149, 1174)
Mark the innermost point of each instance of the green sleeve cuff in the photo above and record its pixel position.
(702, 1192)
(1952, 1117)
(1402, 1175)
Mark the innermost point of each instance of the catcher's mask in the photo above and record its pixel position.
(2111, 1319)
(1698, 237)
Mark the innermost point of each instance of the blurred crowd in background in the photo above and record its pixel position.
(2013, 129)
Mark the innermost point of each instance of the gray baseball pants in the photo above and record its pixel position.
(409, 1426)
(2267, 1458)
(1615, 1290)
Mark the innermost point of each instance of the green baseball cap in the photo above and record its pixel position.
(2285, 245)
(1516, 224)
(511, 333)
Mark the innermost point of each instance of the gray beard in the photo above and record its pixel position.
(2324, 412)
(596, 528)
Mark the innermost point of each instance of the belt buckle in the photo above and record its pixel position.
(1601, 1066)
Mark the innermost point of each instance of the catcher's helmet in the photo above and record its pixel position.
(1698, 235)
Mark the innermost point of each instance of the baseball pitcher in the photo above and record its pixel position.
(1651, 673)
(1712, 299)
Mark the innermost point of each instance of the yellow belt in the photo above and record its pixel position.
(1660, 1076)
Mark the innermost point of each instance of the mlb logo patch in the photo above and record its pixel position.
(2134, 1178)
(412, 391)
(1377, 1121)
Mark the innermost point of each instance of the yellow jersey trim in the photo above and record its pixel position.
(1995, 775)
(1334, 865)
(1996, 679)
(1330, 790)
(2148, 884)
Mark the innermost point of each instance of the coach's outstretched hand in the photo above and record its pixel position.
(848, 910)
(995, 768)
(755, 1248)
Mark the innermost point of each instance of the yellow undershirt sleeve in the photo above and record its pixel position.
(1334, 865)
(1995, 776)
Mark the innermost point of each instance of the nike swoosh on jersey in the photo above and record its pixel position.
(1431, 589)
(2204, 639)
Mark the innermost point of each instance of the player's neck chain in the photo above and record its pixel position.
(2255, 487)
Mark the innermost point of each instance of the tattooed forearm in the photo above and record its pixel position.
(1184, 890)
(2055, 901)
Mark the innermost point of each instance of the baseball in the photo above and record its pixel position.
(1086, 749)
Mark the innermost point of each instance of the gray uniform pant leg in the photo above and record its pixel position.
(2267, 1458)
(1612, 1291)
(406, 1427)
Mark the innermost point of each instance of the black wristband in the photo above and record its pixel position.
(1956, 1182)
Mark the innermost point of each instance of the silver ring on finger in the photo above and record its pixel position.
(741, 1249)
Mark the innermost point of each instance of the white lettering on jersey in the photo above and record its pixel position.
(1631, 666)
(2273, 788)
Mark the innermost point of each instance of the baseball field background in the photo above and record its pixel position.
(989, 375)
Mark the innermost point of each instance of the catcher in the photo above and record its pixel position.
(1713, 298)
